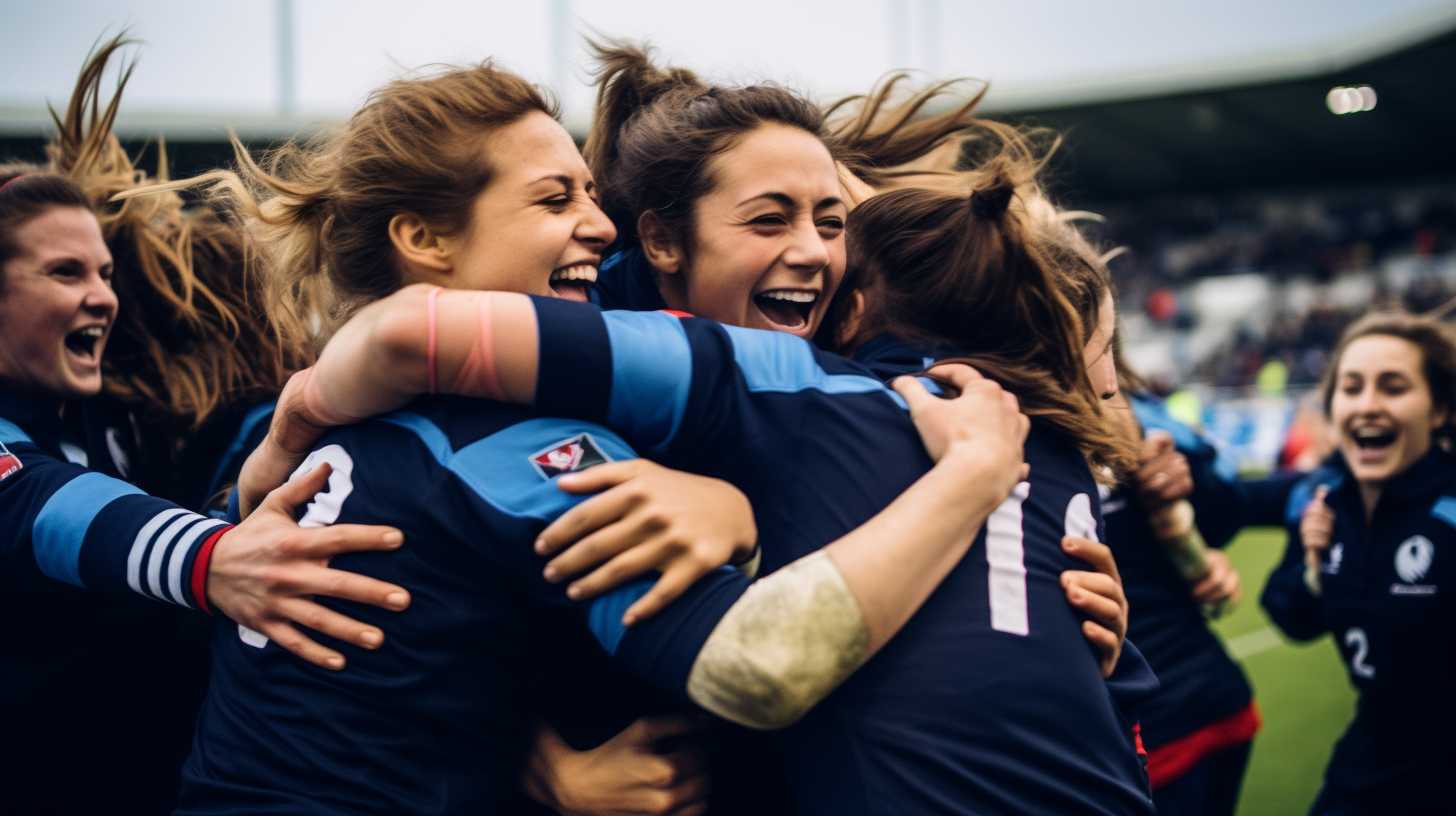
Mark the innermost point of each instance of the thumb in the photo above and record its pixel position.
(1159, 442)
(299, 490)
(914, 394)
(1319, 495)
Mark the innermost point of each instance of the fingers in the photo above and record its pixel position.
(668, 588)
(1156, 443)
(596, 549)
(1098, 555)
(657, 728)
(291, 494)
(1107, 644)
(287, 637)
(1101, 603)
(601, 477)
(322, 619)
(326, 542)
(349, 586)
(585, 519)
(959, 375)
(621, 569)
(914, 394)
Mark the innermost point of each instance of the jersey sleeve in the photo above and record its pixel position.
(92, 531)
(683, 387)
(501, 492)
(1286, 597)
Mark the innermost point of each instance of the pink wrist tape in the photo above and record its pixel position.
(478, 375)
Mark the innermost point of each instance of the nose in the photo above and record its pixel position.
(595, 229)
(1368, 401)
(100, 299)
(808, 251)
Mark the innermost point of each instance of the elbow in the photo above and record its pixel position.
(737, 687)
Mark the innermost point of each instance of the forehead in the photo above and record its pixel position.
(1377, 353)
(62, 232)
(532, 147)
(776, 158)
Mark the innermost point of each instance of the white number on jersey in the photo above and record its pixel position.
(321, 512)
(1357, 640)
(1006, 555)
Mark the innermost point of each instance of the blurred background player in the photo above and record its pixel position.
(1371, 535)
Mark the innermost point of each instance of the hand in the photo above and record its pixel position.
(290, 435)
(1316, 528)
(983, 425)
(1222, 582)
(648, 518)
(1163, 475)
(1100, 596)
(264, 571)
(625, 776)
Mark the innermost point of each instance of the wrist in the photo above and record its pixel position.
(202, 567)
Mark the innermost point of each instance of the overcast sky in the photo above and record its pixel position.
(216, 63)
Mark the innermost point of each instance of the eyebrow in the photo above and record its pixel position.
(786, 201)
(560, 178)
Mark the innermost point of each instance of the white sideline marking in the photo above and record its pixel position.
(1251, 643)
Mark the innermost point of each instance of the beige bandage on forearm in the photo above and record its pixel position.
(790, 640)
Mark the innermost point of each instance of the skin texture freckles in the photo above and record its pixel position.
(769, 661)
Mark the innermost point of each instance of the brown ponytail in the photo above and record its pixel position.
(991, 276)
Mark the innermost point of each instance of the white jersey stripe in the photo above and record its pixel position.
(139, 546)
(179, 558)
(1007, 558)
(158, 553)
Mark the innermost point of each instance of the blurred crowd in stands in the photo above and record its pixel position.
(1266, 283)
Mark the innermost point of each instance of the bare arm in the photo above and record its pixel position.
(796, 635)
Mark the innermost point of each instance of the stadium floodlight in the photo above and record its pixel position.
(1342, 99)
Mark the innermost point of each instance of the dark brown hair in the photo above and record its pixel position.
(1438, 358)
(27, 191)
(655, 131)
(997, 276)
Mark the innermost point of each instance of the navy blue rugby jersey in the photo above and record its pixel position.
(1199, 683)
(989, 700)
(87, 650)
(434, 721)
(1387, 601)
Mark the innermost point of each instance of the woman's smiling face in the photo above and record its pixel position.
(768, 238)
(1381, 407)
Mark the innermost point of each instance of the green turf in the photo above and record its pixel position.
(1301, 689)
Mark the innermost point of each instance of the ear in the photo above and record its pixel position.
(1439, 417)
(660, 247)
(852, 320)
(419, 247)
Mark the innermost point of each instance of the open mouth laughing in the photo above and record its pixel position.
(787, 309)
(574, 281)
(84, 344)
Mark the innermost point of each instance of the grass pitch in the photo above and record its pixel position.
(1301, 690)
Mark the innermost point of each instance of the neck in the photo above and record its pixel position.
(1369, 495)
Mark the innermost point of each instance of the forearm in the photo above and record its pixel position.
(794, 636)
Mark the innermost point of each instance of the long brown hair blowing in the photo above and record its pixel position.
(655, 129)
(318, 212)
(1437, 343)
(192, 335)
(995, 282)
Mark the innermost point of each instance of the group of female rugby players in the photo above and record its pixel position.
(869, 368)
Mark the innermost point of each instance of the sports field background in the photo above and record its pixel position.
(1301, 690)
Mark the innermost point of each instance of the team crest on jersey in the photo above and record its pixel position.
(1337, 557)
(9, 463)
(568, 456)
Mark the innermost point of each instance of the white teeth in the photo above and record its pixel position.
(577, 272)
(1369, 433)
(94, 332)
(791, 295)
